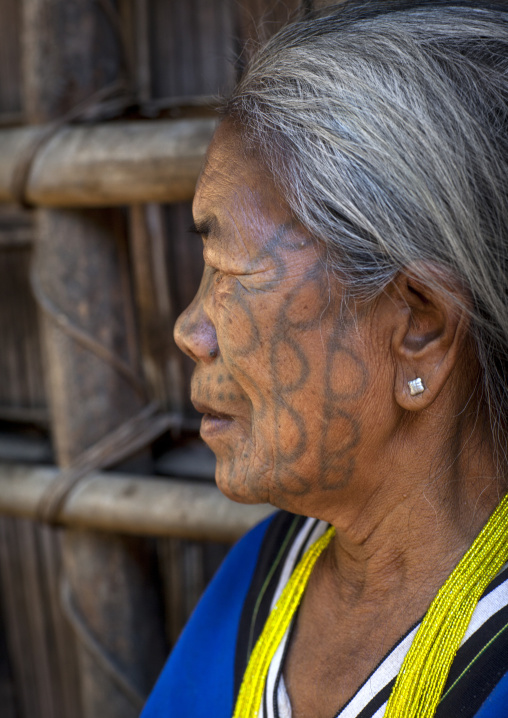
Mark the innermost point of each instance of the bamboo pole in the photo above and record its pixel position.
(82, 281)
(108, 164)
(138, 505)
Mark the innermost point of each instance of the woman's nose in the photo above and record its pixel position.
(194, 332)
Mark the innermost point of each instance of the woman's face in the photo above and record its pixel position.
(281, 373)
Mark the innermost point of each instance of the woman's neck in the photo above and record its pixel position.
(422, 513)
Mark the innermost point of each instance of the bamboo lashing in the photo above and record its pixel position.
(129, 438)
(23, 168)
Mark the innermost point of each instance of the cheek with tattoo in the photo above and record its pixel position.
(286, 354)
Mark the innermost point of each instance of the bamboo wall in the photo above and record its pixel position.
(87, 618)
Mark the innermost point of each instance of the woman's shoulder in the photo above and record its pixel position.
(496, 705)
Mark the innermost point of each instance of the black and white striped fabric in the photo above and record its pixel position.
(480, 663)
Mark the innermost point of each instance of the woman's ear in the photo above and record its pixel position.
(431, 333)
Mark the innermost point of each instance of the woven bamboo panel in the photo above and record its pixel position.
(10, 62)
(193, 47)
(22, 392)
(7, 690)
(41, 644)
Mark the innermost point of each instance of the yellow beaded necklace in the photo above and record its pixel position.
(421, 679)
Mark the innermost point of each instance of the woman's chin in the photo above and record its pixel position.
(235, 484)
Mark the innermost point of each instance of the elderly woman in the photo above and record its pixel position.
(350, 338)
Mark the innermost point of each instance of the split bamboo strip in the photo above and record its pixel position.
(109, 164)
(132, 504)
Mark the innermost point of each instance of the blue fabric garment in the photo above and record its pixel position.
(197, 680)
(496, 705)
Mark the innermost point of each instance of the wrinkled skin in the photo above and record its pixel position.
(291, 373)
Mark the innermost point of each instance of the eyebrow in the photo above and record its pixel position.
(204, 227)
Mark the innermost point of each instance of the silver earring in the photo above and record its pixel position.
(212, 353)
(416, 386)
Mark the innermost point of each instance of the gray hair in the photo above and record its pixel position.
(385, 124)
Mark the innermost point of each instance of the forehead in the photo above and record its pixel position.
(233, 184)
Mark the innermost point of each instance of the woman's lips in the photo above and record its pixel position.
(213, 422)
(211, 425)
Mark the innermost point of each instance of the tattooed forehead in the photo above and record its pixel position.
(237, 207)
